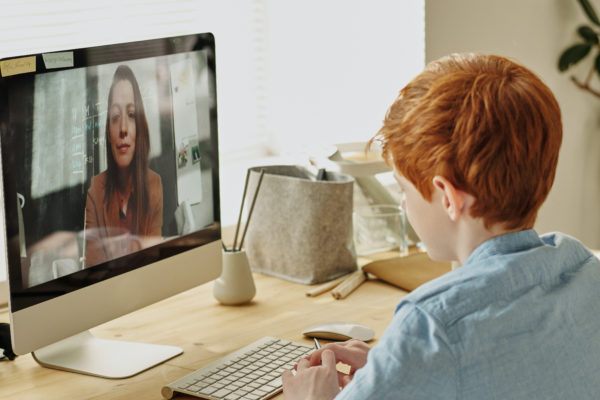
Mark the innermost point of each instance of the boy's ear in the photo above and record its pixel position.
(454, 201)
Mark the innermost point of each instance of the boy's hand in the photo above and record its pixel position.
(312, 382)
(352, 352)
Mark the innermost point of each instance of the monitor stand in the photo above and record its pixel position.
(86, 354)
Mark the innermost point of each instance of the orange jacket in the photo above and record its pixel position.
(104, 239)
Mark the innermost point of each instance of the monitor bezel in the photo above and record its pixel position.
(23, 297)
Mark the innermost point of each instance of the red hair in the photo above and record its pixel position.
(485, 123)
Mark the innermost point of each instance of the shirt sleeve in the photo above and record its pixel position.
(413, 360)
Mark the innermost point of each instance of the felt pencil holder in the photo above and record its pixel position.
(301, 227)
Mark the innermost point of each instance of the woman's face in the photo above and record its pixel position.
(122, 124)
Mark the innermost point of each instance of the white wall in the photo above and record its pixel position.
(534, 33)
(336, 66)
(331, 70)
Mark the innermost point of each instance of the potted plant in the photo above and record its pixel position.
(588, 41)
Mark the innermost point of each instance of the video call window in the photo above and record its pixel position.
(109, 160)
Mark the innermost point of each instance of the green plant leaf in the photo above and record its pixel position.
(589, 11)
(573, 55)
(597, 64)
(588, 34)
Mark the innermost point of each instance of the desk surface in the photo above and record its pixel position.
(206, 331)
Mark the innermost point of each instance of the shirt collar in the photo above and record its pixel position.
(505, 244)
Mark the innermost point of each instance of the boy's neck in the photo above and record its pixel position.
(471, 233)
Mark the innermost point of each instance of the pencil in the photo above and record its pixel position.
(353, 281)
(324, 287)
(239, 221)
(262, 173)
(321, 175)
(317, 345)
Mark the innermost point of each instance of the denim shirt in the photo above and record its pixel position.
(519, 320)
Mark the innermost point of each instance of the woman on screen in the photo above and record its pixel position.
(124, 203)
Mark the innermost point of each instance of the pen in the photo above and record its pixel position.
(317, 345)
(321, 175)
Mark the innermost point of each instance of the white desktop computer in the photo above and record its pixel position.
(110, 190)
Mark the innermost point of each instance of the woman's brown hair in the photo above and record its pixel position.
(139, 165)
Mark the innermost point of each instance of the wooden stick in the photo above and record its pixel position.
(262, 173)
(325, 287)
(348, 285)
(239, 221)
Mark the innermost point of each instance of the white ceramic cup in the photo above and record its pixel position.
(236, 284)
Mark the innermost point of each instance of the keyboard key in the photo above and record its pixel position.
(194, 388)
(208, 390)
(183, 385)
(241, 392)
(275, 382)
(221, 393)
(260, 392)
(273, 375)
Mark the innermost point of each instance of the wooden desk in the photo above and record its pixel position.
(206, 331)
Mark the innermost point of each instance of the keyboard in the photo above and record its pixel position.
(250, 373)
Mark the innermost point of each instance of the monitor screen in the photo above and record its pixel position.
(109, 163)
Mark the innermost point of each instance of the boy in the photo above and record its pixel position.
(474, 141)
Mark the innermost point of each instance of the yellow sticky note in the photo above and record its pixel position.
(16, 66)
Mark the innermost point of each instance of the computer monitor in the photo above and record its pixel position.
(110, 189)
